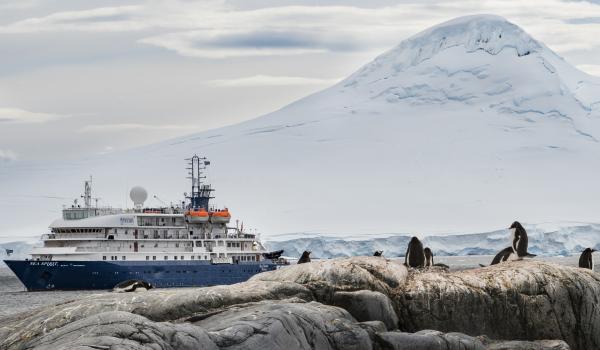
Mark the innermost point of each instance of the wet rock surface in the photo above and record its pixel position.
(351, 303)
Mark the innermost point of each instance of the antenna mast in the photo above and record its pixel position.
(87, 194)
(200, 195)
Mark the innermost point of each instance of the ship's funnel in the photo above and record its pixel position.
(138, 195)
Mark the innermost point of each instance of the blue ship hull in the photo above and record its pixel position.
(80, 275)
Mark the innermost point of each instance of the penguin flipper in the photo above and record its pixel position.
(482, 265)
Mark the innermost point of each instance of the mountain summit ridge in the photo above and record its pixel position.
(480, 59)
(490, 33)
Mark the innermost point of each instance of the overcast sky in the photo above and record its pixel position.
(90, 77)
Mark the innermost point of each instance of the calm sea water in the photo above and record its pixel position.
(14, 298)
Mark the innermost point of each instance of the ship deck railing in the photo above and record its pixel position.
(130, 250)
(53, 237)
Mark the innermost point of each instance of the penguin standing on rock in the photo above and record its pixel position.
(305, 258)
(519, 241)
(586, 260)
(429, 259)
(378, 253)
(415, 255)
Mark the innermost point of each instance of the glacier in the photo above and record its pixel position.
(564, 239)
(464, 127)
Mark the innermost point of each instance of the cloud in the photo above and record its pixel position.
(259, 42)
(106, 150)
(216, 29)
(130, 127)
(294, 30)
(21, 116)
(593, 69)
(208, 45)
(7, 156)
(270, 80)
(583, 20)
(104, 19)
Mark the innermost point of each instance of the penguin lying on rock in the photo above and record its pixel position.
(415, 255)
(519, 241)
(586, 260)
(132, 286)
(502, 256)
(429, 260)
(378, 253)
(305, 258)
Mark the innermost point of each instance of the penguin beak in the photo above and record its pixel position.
(594, 250)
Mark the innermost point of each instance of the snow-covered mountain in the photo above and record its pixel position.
(463, 127)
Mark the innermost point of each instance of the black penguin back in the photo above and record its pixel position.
(305, 258)
(415, 255)
(502, 255)
(586, 260)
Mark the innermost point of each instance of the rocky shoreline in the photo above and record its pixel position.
(346, 303)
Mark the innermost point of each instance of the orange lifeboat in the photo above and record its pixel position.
(196, 216)
(220, 216)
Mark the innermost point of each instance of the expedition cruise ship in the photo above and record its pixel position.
(190, 244)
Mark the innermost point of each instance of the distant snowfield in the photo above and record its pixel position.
(464, 127)
(565, 240)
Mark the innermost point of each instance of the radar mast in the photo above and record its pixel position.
(87, 193)
(201, 193)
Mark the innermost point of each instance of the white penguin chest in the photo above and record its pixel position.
(513, 232)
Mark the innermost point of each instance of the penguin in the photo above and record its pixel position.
(428, 256)
(132, 286)
(378, 253)
(586, 260)
(519, 241)
(429, 259)
(415, 256)
(502, 256)
(305, 258)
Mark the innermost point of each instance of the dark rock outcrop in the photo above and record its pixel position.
(353, 303)
(366, 305)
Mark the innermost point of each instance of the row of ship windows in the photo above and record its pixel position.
(95, 273)
(165, 234)
(240, 258)
(77, 230)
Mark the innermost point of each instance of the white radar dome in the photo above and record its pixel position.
(138, 195)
